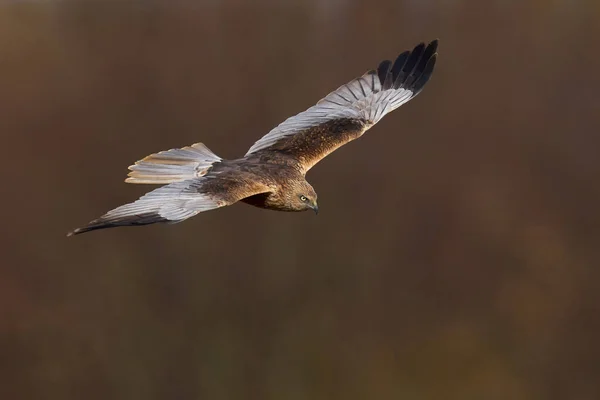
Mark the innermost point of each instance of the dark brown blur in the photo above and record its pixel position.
(456, 254)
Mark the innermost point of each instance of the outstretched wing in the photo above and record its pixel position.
(346, 113)
(179, 201)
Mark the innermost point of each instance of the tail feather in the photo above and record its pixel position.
(173, 165)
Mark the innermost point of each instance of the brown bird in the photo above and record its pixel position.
(272, 173)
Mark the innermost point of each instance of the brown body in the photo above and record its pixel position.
(277, 174)
(272, 173)
(283, 171)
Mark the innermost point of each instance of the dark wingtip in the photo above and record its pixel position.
(417, 67)
(383, 71)
(434, 44)
(77, 231)
(409, 68)
(420, 82)
(92, 226)
(105, 222)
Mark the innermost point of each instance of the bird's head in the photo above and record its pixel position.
(302, 197)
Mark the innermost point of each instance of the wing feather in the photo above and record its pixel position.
(347, 112)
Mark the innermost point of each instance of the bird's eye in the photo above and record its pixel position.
(303, 198)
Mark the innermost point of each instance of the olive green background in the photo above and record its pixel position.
(457, 249)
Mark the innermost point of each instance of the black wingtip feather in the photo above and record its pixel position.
(412, 70)
(79, 231)
(424, 78)
(133, 220)
(88, 228)
(399, 64)
(383, 71)
(427, 54)
(410, 65)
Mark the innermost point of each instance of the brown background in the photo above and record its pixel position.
(455, 256)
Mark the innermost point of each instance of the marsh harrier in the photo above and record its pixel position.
(272, 173)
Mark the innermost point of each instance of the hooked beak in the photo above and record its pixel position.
(315, 208)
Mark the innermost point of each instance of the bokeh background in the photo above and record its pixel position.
(456, 253)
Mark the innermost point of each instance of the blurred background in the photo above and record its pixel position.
(455, 256)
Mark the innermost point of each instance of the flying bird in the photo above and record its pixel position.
(272, 173)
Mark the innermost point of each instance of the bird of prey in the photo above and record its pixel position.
(272, 173)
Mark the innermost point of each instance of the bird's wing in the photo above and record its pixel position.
(346, 113)
(179, 201)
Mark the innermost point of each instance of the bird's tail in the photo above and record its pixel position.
(173, 165)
